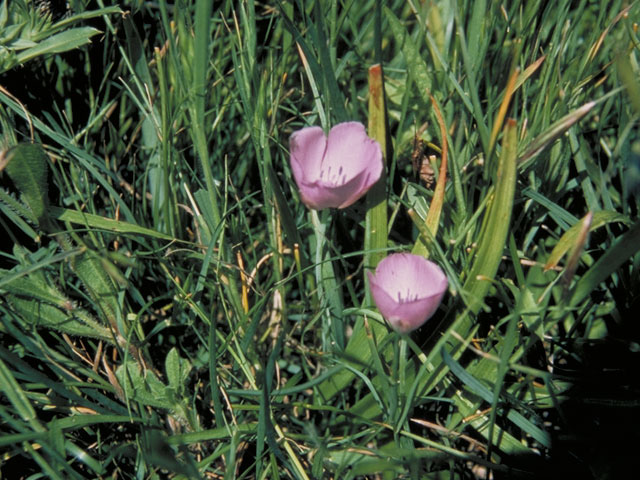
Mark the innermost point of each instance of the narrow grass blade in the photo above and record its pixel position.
(106, 224)
(16, 396)
(554, 132)
(630, 81)
(627, 245)
(504, 106)
(570, 237)
(482, 391)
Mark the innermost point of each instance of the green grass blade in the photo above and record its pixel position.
(495, 227)
(376, 216)
(627, 245)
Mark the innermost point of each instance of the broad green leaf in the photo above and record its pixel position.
(375, 235)
(18, 213)
(495, 226)
(85, 15)
(630, 80)
(32, 287)
(4, 13)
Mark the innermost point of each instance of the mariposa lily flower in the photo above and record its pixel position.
(407, 290)
(334, 171)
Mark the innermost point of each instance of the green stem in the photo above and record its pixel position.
(328, 290)
(392, 398)
(399, 379)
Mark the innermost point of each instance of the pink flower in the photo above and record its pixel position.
(334, 171)
(407, 290)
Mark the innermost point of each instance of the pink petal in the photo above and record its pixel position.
(398, 274)
(351, 150)
(334, 172)
(402, 272)
(307, 147)
(319, 195)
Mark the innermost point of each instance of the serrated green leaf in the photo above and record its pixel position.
(415, 64)
(17, 212)
(27, 167)
(45, 315)
(33, 288)
(15, 206)
(177, 370)
(34, 269)
(100, 286)
(58, 43)
(142, 385)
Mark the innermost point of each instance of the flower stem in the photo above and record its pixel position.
(328, 291)
(398, 380)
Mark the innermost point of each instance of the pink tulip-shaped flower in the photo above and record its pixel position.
(334, 171)
(407, 290)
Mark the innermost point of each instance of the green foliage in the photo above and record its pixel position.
(26, 164)
(170, 309)
(28, 32)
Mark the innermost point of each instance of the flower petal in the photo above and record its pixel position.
(407, 290)
(307, 147)
(403, 272)
(353, 152)
(319, 195)
(334, 172)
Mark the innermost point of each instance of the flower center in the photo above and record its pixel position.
(407, 296)
(334, 177)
